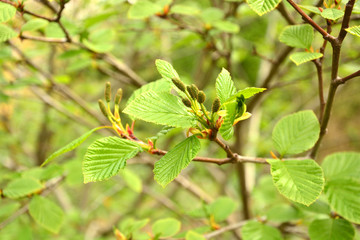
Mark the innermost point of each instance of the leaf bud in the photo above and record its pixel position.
(103, 107)
(179, 84)
(108, 92)
(216, 105)
(186, 102)
(201, 97)
(118, 96)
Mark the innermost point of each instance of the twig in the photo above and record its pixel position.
(308, 19)
(347, 78)
(282, 10)
(225, 229)
(43, 39)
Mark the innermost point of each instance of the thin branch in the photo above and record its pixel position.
(349, 77)
(225, 229)
(282, 10)
(345, 23)
(43, 39)
(308, 19)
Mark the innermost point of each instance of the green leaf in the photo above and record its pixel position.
(254, 230)
(7, 12)
(46, 213)
(158, 86)
(211, 15)
(178, 158)
(344, 197)
(331, 229)
(263, 6)
(226, 130)
(332, 13)
(300, 36)
(106, 156)
(22, 187)
(303, 57)
(227, 26)
(34, 24)
(310, 8)
(299, 180)
(354, 30)
(342, 165)
(143, 9)
(221, 208)
(72, 145)
(184, 9)
(191, 235)
(247, 93)
(166, 227)
(296, 133)
(163, 108)
(6, 33)
(318, 206)
(225, 87)
(101, 47)
(166, 70)
(132, 180)
(283, 213)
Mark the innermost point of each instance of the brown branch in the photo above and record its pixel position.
(225, 229)
(282, 10)
(308, 19)
(347, 78)
(43, 39)
(335, 80)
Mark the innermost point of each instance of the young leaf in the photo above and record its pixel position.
(71, 146)
(300, 36)
(166, 70)
(221, 208)
(256, 230)
(22, 187)
(296, 133)
(227, 26)
(310, 8)
(106, 156)
(332, 13)
(166, 227)
(7, 12)
(331, 229)
(263, 6)
(6, 33)
(132, 180)
(162, 108)
(34, 24)
(226, 130)
(342, 165)
(184, 9)
(224, 86)
(354, 30)
(191, 235)
(46, 213)
(247, 93)
(283, 213)
(158, 86)
(143, 9)
(303, 57)
(178, 158)
(299, 180)
(344, 197)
